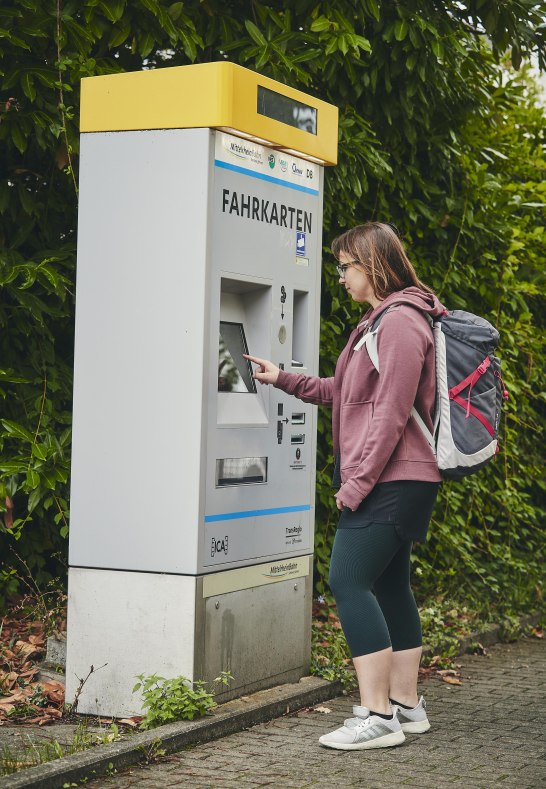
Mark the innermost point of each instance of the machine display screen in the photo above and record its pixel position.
(282, 108)
(234, 371)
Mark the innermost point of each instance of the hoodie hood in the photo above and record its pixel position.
(414, 297)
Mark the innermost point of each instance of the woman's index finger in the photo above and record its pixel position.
(254, 359)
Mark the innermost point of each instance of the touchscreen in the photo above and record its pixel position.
(234, 371)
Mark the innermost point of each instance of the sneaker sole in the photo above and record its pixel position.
(415, 727)
(387, 741)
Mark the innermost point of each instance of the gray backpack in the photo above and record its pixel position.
(469, 390)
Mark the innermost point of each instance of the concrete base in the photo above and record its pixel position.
(121, 624)
(124, 624)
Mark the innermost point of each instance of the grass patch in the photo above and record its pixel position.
(28, 753)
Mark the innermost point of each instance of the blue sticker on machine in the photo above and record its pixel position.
(300, 243)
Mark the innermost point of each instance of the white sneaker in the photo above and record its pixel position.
(412, 721)
(365, 731)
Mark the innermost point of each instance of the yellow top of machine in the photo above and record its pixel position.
(215, 95)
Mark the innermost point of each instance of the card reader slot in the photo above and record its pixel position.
(298, 418)
(297, 438)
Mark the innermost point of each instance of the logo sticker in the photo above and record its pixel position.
(243, 150)
(219, 546)
(271, 160)
(300, 243)
(280, 570)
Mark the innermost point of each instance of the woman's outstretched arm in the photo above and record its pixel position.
(309, 388)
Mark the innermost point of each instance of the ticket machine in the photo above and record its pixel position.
(192, 493)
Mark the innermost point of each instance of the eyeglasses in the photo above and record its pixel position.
(341, 268)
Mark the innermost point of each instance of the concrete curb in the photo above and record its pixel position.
(228, 719)
(491, 634)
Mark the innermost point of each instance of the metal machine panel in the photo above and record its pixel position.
(260, 634)
(257, 535)
(270, 286)
(140, 336)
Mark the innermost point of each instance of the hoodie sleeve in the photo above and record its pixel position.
(309, 388)
(402, 342)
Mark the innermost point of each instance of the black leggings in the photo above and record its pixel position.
(370, 580)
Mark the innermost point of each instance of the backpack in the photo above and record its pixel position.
(469, 390)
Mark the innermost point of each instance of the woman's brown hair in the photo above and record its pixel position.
(376, 248)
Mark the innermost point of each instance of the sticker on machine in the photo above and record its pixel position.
(292, 535)
(243, 150)
(283, 569)
(257, 575)
(297, 463)
(251, 158)
(300, 243)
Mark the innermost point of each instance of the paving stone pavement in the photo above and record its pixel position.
(488, 732)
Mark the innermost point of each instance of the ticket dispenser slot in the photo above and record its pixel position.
(300, 329)
(240, 471)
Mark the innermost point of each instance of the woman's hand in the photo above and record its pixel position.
(266, 372)
(339, 503)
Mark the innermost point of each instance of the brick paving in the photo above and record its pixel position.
(488, 732)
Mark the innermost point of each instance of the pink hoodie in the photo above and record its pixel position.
(371, 425)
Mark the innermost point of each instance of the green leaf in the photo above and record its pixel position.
(120, 34)
(33, 478)
(13, 467)
(50, 479)
(18, 138)
(39, 451)
(17, 430)
(400, 29)
(373, 8)
(113, 9)
(321, 24)
(411, 61)
(145, 44)
(263, 58)
(34, 499)
(151, 5)
(331, 46)
(437, 48)
(255, 33)
(175, 10)
(27, 83)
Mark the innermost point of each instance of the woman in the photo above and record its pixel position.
(386, 477)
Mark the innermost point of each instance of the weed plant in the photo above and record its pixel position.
(175, 699)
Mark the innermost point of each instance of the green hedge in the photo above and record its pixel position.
(436, 134)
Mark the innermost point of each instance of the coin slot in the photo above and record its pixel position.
(300, 329)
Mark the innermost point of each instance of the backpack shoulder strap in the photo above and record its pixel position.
(369, 340)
